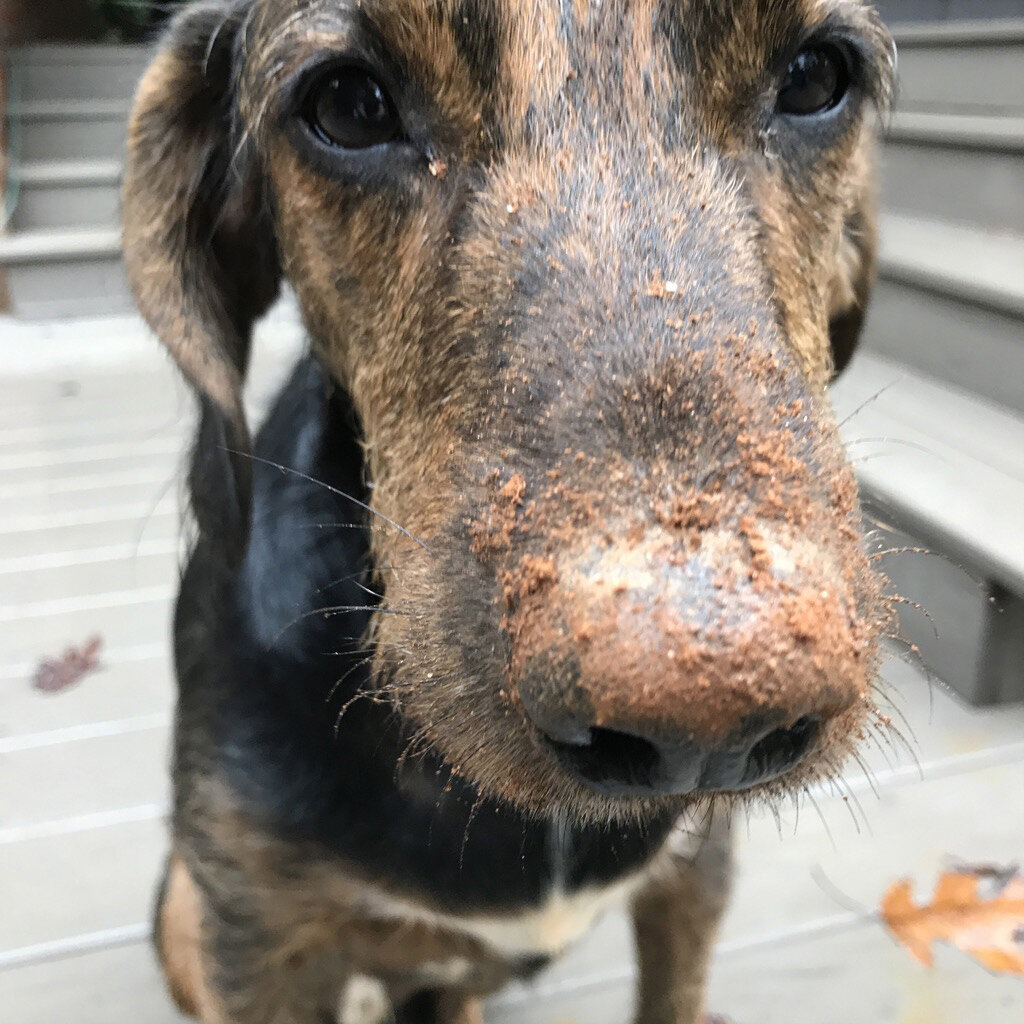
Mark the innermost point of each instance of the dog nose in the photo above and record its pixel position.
(652, 674)
(621, 764)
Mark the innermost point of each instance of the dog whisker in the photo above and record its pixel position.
(337, 491)
(874, 398)
(330, 611)
(864, 459)
(895, 735)
(875, 732)
(809, 795)
(898, 441)
(470, 818)
(360, 663)
(852, 801)
(917, 606)
(353, 577)
(896, 710)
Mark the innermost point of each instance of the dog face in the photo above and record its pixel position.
(586, 270)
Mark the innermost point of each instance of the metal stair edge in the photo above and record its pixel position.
(971, 131)
(69, 172)
(974, 293)
(939, 33)
(48, 246)
(72, 110)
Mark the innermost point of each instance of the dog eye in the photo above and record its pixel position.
(816, 81)
(349, 108)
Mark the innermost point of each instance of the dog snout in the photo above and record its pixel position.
(648, 673)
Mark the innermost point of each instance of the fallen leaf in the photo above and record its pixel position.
(54, 675)
(988, 928)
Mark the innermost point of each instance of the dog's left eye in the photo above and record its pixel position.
(349, 108)
(816, 81)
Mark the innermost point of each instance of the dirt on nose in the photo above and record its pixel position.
(652, 596)
(649, 638)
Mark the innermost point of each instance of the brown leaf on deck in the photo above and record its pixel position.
(54, 675)
(988, 928)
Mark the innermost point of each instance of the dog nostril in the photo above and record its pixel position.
(781, 750)
(612, 762)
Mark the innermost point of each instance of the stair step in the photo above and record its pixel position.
(977, 266)
(962, 66)
(75, 72)
(949, 302)
(944, 469)
(55, 246)
(69, 130)
(67, 193)
(956, 167)
(965, 32)
(53, 274)
(1002, 134)
(959, 437)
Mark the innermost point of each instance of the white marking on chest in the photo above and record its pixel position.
(548, 930)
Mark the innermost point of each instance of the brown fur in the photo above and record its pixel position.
(596, 309)
(179, 937)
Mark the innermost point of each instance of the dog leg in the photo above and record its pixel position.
(177, 933)
(364, 1001)
(675, 919)
(441, 1008)
(457, 1009)
(245, 983)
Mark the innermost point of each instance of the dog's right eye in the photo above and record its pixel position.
(348, 108)
(817, 79)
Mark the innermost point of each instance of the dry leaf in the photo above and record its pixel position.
(989, 928)
(54, 675)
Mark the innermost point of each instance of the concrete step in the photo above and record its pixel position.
(956, 167)
(979, 267)
(76, 72)
(962, 67)
(69, 130)
(67, 194)
(950, 302)
(65, 273)
(943, 470)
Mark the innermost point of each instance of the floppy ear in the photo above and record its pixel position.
(199, 245)
(851, 287)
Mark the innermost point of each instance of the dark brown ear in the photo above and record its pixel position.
(851, 287)
(199, 244)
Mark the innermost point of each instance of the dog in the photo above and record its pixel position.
(548, 554)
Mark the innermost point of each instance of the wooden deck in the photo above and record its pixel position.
(92, 429)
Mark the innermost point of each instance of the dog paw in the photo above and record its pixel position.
(364, 1001)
